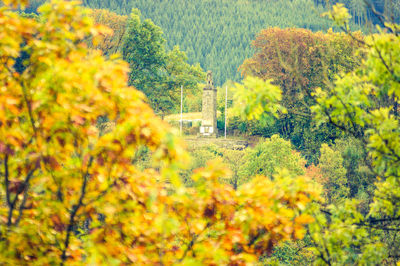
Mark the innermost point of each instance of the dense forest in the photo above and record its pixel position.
(218, 34)
(92, 173)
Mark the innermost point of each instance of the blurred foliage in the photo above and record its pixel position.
(340, 238)
(109, 44)
(199, 158)
(364, 103)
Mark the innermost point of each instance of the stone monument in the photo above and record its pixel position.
(208, 126)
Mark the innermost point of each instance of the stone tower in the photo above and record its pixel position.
(209, 109)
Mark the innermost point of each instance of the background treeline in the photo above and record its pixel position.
(217, 34)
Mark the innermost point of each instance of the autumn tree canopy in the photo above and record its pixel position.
(299, 61)
(110, 44)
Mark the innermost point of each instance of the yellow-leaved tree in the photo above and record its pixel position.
(72, 195)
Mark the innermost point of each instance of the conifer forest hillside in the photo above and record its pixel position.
(218, 34)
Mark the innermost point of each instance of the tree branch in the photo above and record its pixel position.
(193, 241)
(23, 187)
(321, 255)
(74, 211)
(22, 206)
(6, 180)
(28, 104)
(381, 17)
(391, 71)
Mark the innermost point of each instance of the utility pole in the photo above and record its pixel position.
(181, 109)
(226, 105)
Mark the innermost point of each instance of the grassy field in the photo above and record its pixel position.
(186, 116)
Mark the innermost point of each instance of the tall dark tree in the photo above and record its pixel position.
(154, 71)
(143, 49)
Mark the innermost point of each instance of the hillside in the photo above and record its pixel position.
(218, 34)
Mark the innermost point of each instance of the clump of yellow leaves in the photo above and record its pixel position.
(71, 195)
(256, 96)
